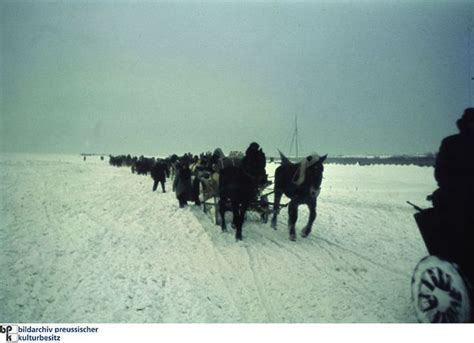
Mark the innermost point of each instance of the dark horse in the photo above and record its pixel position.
(301, 183)
(238, 186)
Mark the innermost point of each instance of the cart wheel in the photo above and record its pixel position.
(439, 292)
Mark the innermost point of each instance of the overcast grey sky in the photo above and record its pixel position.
(373, 77)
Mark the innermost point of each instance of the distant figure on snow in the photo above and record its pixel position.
(159, 173)
(182, 184)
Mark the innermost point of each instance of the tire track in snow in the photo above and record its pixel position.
(351, 278)
(349, 283)
(222, 263)
(299, 256)
(313, 238)
(362, 257)
(259, 285)
(253, 269)
(357, 284)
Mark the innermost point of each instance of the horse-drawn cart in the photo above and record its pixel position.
(207, 189)
(442, 281)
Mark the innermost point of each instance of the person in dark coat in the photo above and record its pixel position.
(182, 184)
(254, 163)
(159, 173)
(454, 199)
(213, 159)
(454, 168)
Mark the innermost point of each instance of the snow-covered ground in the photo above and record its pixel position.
(87, 242)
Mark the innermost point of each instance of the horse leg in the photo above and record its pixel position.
(312, 217)
(235, 215)
(222, 213)
(237, 220)
(263, 204)
(292, 217)
(276, 208)
(163, 186)
(242, 211)
(182, 201)
(196, 183)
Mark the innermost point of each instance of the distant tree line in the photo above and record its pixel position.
(427, 160)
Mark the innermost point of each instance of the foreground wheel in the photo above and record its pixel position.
(439, 292)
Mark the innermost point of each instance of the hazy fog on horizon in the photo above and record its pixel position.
(366, 77)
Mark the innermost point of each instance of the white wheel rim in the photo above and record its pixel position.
(439, 292)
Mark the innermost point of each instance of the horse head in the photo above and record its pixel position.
(318, 163)
(309, 168)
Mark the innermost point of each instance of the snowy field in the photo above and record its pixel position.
(87, 242)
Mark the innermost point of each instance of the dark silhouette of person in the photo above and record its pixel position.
(159, 173)
(214, 159)
(454, 199)
(254, 163)
(454, 168)
(182, 184)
